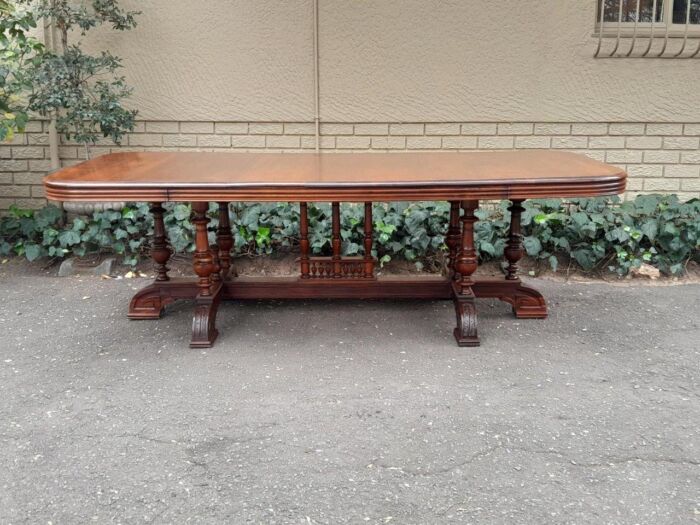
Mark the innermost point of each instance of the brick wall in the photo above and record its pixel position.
(658, 157)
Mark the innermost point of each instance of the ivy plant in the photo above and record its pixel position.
(601, 233)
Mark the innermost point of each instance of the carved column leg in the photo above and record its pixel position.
(527, 302)
(215, 276)
(463, 295)
(149, 302)
(160, 251)
(207, 301)
(452, 239)
(369, 260)
(335, 239)
(224, 240)
(304, 239)
(514, 246)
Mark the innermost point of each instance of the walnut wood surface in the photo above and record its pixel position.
(348, 177)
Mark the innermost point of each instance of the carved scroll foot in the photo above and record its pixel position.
(204, 330)
(148, 303)
(528, 303)
(465, 307)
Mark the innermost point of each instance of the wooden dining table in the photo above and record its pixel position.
(460, 178)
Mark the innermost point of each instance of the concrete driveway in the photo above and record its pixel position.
(344, 412)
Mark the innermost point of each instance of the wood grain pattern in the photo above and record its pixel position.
(339, 177)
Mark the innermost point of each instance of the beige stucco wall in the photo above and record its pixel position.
(459, 75)
(218, 59)
(391, 60)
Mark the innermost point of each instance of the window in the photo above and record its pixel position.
(681, 12)
(663, 15)
(629, 10)
(648, 28)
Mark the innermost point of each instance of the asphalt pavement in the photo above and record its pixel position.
(349, 412)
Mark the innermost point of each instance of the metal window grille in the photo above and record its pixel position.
(648, 29)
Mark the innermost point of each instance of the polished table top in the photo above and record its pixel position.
(354, 177)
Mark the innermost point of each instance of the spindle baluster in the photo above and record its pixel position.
(452, 240)
(514, 246)
(224, 240)
(336, 240)
(304, 239)
(369, 260)
(160, 251)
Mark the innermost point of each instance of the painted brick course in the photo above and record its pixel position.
(659, 157)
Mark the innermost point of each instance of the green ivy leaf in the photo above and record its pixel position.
(676, 269)
(68, 238)
(262, 237)
(181, 212)
(540, 218)
(488, 248)
(533, 246)
(580, 218)
(352, 248)
(585, 258)
(32, 251)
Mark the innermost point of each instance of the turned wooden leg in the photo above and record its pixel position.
(304, 240)
(465, 264)
(224, 240)
(215, 276)
(368, 227)
(514, 246)
(527, 302)
(453, 239)
(209, 289)
(160, 251)
(335, 240)
(149, 302)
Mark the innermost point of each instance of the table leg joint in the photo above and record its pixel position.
(465, 308)
(148, 303)
(204, 331)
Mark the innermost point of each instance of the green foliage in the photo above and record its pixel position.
(653, 229)
(594, 233)
(85, 15)
(40, 233)
(19, 54)
(83, 92)
(86, 105)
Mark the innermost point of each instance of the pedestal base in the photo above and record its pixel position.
(150, 302)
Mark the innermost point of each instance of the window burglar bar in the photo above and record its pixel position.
(640, 20)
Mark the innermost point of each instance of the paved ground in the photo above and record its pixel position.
(342, 412)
